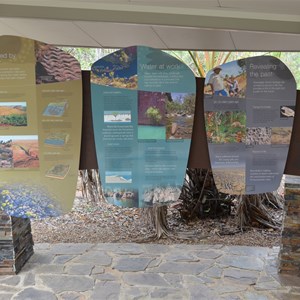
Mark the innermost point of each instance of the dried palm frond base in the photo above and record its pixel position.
(200, 197)
(157, 217)
(253, 210)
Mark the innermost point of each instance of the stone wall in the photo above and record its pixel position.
(16, 243)
(289, 257)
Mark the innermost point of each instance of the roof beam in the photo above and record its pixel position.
(197, 18)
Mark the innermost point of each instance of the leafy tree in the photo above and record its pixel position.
(87, 56)
(200, 62)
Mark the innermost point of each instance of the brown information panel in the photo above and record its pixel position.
(40, 127)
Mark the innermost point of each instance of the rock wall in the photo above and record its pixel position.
(289, 256)
(16, 243)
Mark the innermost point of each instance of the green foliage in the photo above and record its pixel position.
(187, 105)
(226, 126)
(87, 56)
(200, 62)
(14, 120)
(173, 107)
(153, 114)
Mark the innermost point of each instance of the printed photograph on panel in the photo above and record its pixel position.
(54, 64)
(228, 80)
(118, 176)
(230, 180)
(287, 111)
(118, 69)
(179, 115)
(13, 114)
(281, 135)
(152, 115)
(122, 197)
(121, 116)
(225, 126)
(160, 195)
(6, 152)
(25, 151)
(258, 136)
(28, 201)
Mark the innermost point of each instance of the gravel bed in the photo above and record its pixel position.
(105, 223)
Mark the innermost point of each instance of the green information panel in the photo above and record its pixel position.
(40, 128)
(143, 104)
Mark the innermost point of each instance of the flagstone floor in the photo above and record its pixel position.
(150, 271)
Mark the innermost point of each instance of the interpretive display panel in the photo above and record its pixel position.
(249, 111)
(40, 128)
(143, 104)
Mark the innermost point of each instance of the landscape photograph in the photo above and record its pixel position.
(13, 114)
(179, 115)
(121, 116)
(118, 177)
(25, 151)
(281, 135)
(122, 197)
(230, 180)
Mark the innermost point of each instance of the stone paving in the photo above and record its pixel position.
(150, 271)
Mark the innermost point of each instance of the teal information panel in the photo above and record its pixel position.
(143, 104)
(40, 128)
(249, 112)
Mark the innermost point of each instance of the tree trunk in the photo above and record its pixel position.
(157, 215)
(91, 186)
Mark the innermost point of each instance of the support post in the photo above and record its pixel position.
(289, 256)
(16, 243)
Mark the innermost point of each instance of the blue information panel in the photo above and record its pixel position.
(143, 104)
(40, 128)
(249, 112)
